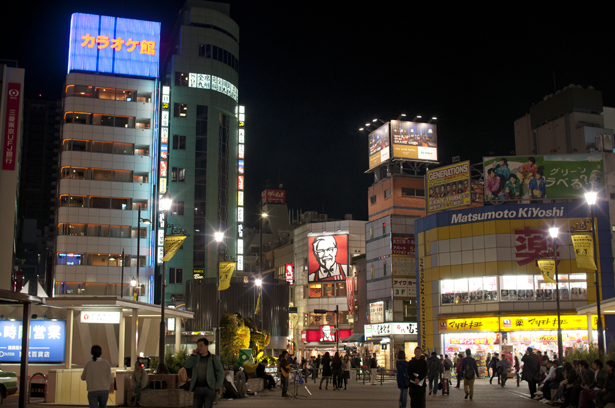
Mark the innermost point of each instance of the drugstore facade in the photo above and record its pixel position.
(480, 288)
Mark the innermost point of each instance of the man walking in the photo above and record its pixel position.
(469, 368)
(207, 374)
(434, 366)
(373, 365)
(448, 365)
(493, 364)
(531, 368)
(417, 371)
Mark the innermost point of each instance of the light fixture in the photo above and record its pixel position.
(165, 202)
(375, 120)
(145, 221)
(591, 197)
(361, 129)
(265, 215)
(133, 282)
(258, 282)
(219, 236)
(553, 232)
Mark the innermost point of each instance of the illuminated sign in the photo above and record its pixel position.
(198, 274)
(273, 196)
(47, 341)
(9, 156)
(240, 230)
(483, 324)
(240, 198)
(240, 262)
(100, 317)
(114, 45)
(240, 113)
(240, 246)
(289, 273)
(242, 136)
(240, 182)
(241, 151)
(240, 167)
(546, 322)
(386, 329)
(205, 81)
(414, 140)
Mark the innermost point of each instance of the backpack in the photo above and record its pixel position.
(468, 372)
(434, 366)
(447, 364)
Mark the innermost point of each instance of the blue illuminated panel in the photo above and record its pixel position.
(114, 45)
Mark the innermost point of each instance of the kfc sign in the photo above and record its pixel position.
(289, 273)
(273, 196)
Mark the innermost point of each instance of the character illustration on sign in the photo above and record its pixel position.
(324, 250)
(501, 169)
(325, 334)
(528, 169)
(494, 186)
(537, 186)
(513, 189)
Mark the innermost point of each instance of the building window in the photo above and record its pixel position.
(176, 275)
(181, 79)
(177, 208)
(181, 110)
(387, 193)
(372, 270)
(178, 174)
(371, 232)
(372, 199)
(179, 142)
(384, 268)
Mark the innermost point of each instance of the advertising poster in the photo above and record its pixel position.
(542, 177)
(379, 145)
(47, 341)
(350, 294)
(584, 250)
(547, 268)
(449, 187)
(327, 333)
(328, 258)
(414, 140)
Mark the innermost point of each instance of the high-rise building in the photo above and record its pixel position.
(108, 162)
(205, 153)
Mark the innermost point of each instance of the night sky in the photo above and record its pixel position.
(312, 73)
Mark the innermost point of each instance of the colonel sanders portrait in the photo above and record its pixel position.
(324, 250)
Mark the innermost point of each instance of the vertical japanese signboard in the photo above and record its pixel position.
(163, 172)
(9, 152)
(403, 265)
(47, 341)
(240, 183)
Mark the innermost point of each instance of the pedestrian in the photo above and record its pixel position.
(316, 367)
(337, 371)
(434, 367)
(494, 362)
(417, 373)
(283, 372)
(207, 374)
(262, 373)
(531, 370)
(326, 370)
(139, 381)
(458, 369)
(373, 365)
(98, 377)
(502, 369)
(607, 394)
(589, 392)
(469, 369)
(448, 365)
(346, 365)
(402, 374)
(517, 369)
(488, 363)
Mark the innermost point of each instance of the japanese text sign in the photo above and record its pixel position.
(100, 317)
(482, 324)
(448, 187)
(114, 45)
(47, 341)
(546, 322)
(386, 329)
(584, 250)
(532, 244)
(404, 287)
(9, 153)
(273, 196)
(402, 245)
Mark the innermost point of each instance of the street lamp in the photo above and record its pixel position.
(260, 264)
(554, 231)
(219, 236)
(133, 282)
(145, 221)
(164, 204)
(591, 197)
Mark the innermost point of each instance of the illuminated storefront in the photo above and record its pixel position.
(480, 287)
(386, 339)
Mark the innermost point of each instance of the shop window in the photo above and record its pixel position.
(105, 93)
(315, 290)
(69, 259)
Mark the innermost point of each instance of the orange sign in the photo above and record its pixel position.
(103, 41)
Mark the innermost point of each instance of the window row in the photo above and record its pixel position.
(217, 53)
(70, 258)
(317, 319)
(412, 192)
(101, 119)
(112, 94)
(97, 230)
(512, 288)
(176, 275)
(317, 290)
(110, 203)
(84, 173)
(94, 146)
(96, 289)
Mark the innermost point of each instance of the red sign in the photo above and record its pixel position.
(303, 336)
(289, 273)
(315, 335)
(402, 245)
(9, 154)
(531, 245)
(240, 183)
(328, 258)
(273, 196)
(350, 295)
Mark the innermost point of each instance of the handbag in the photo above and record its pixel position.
(406, 380)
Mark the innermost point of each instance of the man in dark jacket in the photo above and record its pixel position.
(261, 373)
(469, 368)
(417, 373)
(435, 368)
(607, 394)
(494, 371)
(531, 368)
(207, 374)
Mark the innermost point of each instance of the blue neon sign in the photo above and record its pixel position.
(47, 341)
(114, 45)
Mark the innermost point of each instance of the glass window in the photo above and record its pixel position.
(114, 231)
(69, 259)
(70, 89)
(315, 290)
(139, 203)
(316, 319)
(372, 199)
(461, 291)
(179, 142)
(95, 230)
(125, 95)
(81, 145)
(198, 259)
(201, 143)
(100, 202)
(475, 286)
(72, 201)
(105, 93)
(67, 145)
(123, 148)
(180, 110)
(490, 289)
(98, 259)
(447, 291)
(103, 120)
(340, 288)
(145, 97)
(181, 79)
(120, 203)
(123, 121)
(102, 147)
(124, 176)
(78, 173)
(102, 174)
(200, 193)
(78, 117)
(141, 177)
(387, 193)
(177, 208)
(141, 150)
(82, 90)
(140, 123)
(199, 209)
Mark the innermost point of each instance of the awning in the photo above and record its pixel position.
(355, 338)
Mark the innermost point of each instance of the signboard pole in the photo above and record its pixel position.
(25, 347)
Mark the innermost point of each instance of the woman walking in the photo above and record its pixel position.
(98, 377)
(326, 370)
(337, 371)
(346, 364)
(402, 373)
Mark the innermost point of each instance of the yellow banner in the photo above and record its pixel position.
(546, 322)
(226, 272)
(483, 324)
(584, 250)
(171, 244)
(547, 268)
(258, 304)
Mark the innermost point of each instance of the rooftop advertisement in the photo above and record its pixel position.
(448, 187)
(328, 258)
(379, 146)
(414, 140)
(542, 177)
(114, 45)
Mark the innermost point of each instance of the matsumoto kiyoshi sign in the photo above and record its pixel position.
(538, 211)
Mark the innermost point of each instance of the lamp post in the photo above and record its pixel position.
(259, 284)
(591, 197)
(554, 231)
(145, 221)
(260, 263)
(219, 236)
(164, 205)
(133, 282)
